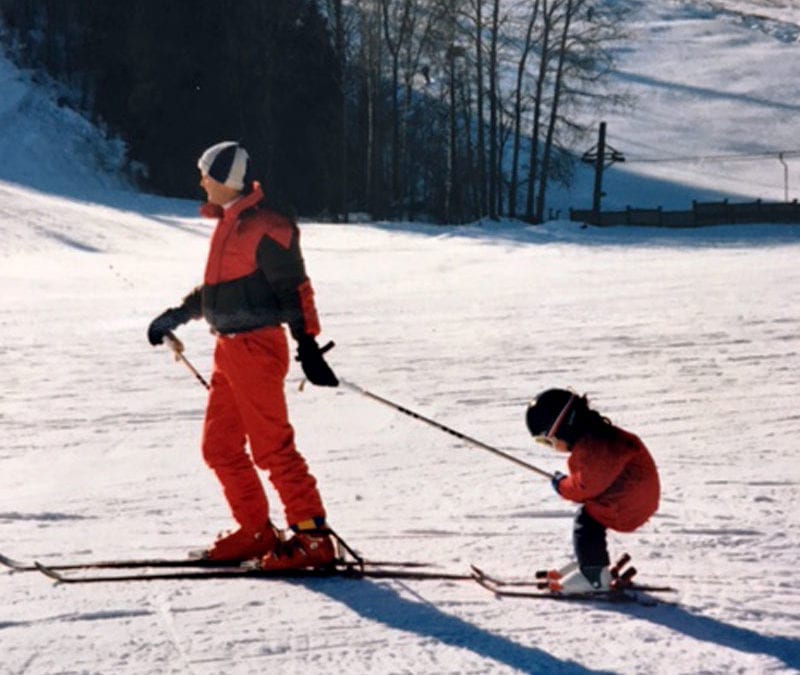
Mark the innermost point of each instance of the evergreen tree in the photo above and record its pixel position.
(172, 78)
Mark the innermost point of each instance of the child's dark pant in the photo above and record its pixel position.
(589, 539)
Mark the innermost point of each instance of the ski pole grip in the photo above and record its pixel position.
(171, 340)
(175, 345)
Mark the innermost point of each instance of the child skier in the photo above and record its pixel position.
(611, 474)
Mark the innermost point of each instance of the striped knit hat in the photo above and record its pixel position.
(226, 163)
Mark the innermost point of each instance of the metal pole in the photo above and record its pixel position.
(785, 177)
(599, 165)
(444, 428)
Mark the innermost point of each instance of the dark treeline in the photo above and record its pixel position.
(448, 109)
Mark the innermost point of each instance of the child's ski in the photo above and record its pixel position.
(637, 593)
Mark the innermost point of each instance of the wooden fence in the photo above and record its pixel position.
(702, 213)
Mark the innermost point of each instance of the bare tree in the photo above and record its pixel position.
(452, 192)
(370, 40)
(479, 89)
(544, 55)
(494, 104)
(581, 62)
(525, 50)
(547, 148)
(423, 58)
(337, 14)
(413, 38)
(397, 23)
(436, 74)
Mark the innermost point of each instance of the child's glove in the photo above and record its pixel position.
(557, 478)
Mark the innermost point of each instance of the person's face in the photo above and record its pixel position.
(553, 442)
(217, 193)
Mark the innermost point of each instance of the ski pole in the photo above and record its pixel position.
(442, 427)
(177, 349)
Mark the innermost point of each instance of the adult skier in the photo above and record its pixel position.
(611, 474)
(255, 281)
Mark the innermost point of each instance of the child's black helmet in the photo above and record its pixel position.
(553, 413)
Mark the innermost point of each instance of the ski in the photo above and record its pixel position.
(595, 596)
(633, 593)
(133, 563)
(341, 570)
(479, 573)
(11, 563)
(19, 566)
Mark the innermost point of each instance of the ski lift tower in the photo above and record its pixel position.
(601, 156)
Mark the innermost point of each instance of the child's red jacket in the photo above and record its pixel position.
(616, 479)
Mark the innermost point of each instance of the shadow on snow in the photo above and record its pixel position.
(681, 620)
(517, 233)
(380, 603)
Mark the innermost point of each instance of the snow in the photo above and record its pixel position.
(688, 338)
(52, 148)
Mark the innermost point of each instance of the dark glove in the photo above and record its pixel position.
(165, 323)
(557, 478)
(314, 366)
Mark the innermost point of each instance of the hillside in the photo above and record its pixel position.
(711, 105)
(710, 110)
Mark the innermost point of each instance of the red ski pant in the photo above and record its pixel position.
(247, 403)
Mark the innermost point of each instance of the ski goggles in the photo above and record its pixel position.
(549, 439)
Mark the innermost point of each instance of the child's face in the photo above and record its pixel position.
(553, 442)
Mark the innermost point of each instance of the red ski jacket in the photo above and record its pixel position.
(615, 478)
(255, 275)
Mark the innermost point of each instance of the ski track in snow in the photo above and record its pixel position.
(165, 612)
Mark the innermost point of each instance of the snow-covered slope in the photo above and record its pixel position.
(52, 148)
(688, 339)
(713, 105)
(688, 342)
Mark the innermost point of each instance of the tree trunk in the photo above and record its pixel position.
(526, 49)
(483, 205)
(341, 205)
(557, 88)
(493, 105)
(544, 62)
